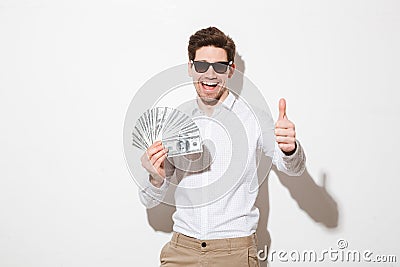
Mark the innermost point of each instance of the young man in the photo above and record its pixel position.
(219, 231)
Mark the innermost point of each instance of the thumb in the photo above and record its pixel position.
(282, 108)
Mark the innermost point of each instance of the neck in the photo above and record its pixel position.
(208, 105)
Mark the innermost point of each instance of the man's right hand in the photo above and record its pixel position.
(153, 161)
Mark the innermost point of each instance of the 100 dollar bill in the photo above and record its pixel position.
(183, 145)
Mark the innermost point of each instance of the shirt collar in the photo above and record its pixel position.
(227, 103)
(229, 100)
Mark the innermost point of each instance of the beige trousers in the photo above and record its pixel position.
(184, 251)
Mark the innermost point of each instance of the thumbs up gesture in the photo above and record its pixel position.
(285, 131)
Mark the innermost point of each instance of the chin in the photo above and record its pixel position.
(207, 97)
(209, 100)
(210, 95)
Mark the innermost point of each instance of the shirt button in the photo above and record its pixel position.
(204, 244)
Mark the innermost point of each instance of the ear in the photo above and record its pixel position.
(231, 70)
(190, 69)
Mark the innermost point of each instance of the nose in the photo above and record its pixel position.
(210, 73)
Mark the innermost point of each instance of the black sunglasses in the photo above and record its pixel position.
(219, 67)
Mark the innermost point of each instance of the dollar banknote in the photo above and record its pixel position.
(177, 131)
(183, 145)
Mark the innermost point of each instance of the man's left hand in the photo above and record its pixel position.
(285, 131)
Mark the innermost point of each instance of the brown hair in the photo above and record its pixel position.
(211, 36)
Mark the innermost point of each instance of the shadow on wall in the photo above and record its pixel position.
(310, 197)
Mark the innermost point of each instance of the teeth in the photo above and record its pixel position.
(210, 83)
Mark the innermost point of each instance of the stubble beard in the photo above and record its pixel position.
(210, 99)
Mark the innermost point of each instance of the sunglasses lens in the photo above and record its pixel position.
(201, 67)
(220, 67)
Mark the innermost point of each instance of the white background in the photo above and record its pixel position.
(68, 71)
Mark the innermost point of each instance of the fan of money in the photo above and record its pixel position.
(175, 129)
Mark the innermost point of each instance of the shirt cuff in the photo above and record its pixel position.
(292, 156)
(157, 191)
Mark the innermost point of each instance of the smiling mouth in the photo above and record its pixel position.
(209, 85)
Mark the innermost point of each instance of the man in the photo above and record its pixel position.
(221, 230)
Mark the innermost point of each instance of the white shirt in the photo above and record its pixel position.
(215, 198)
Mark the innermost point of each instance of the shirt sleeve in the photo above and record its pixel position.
(151, 196)
(293, 165)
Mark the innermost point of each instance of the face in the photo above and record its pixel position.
(210, 85)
